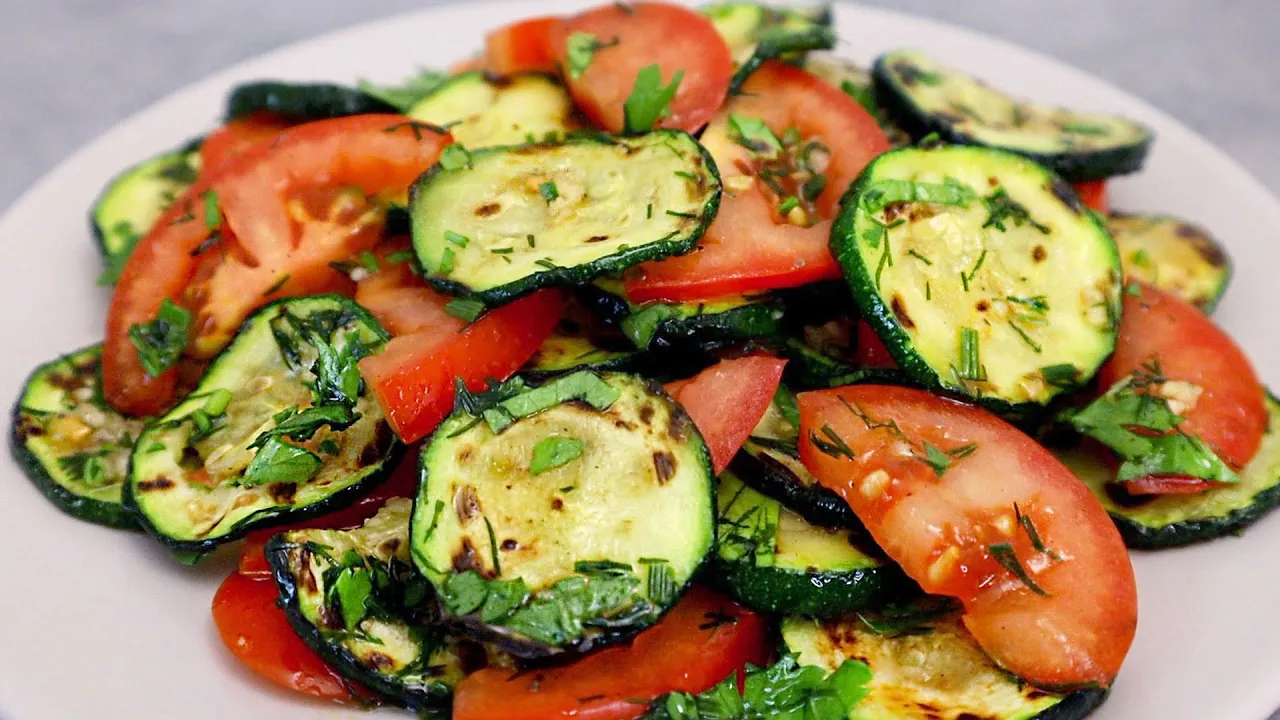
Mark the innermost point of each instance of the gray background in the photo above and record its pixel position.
(70, 69)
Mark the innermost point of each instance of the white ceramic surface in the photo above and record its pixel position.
(98, 623)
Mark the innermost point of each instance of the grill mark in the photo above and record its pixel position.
(467, 558)
(1038, 254)
(664, 463)
(282, 493)
(900, 312)
(1066, 194)
(466, 503)
(160, 483)
(597, 238)
(487, 209)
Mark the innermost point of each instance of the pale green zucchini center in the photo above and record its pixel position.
(483, 111)
(1170, 254)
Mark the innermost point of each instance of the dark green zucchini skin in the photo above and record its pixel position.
(1077, 705)
(818, 504)
(746, 322)
(812, 594)
(302, 101)
(1190, 532)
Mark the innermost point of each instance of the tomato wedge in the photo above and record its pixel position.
(749, 246)
(1094, 194)
(870, 350)
(1229, 413)
(640, 34)
(401, 301)
(259, 635)
(727, 400)
(521, 47)
(413, 378)
(972, 508)
(700, 642)
(238, 137)
(1167, 485)
(264, 249)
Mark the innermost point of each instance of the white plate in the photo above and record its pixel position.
(98, 623)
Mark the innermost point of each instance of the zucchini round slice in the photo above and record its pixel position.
(1173, 255)
(980, 270)
(928, 670)
(354, 597)
(280, 428)
(133, 201)
(71, 444)
(928, 97)
(517, 219)
(658, 324)
(772, 561)
(581, 341)
(302, 101)
(857, 83)
(563, 517)
(482, 109)
(1156, 522)
(756, 33)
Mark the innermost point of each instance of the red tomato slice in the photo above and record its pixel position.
(413, 377)
(238, 137)
(1094, 194)
(748, 246)
(259, 635)
(870, 350)
(700, 642)
(727, 400)
(265, 252)
(401, 301)
(647, 33)
(957, 533)
(1229, 414)
(1167, 485)
(522, 47)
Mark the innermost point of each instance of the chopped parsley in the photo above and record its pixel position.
(553, 452)
(465, 308)
(649, 100)
(785, 690)
(1003, 209)
(1004, 554)
(280, 462)
(753, 134)
(581, 47)
(549, 191)
(161, 341)
(455, 157)
(456, 238)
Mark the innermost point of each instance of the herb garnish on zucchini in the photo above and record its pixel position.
(482, 109)
(928, 97)
(658, 324)
(981, 271)
(512, 220)
(1172, 255)
(581, 341)
(280, 428)
(563, 517)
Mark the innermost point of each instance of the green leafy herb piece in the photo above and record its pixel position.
(406, 94)
(1004, 554)
(90, 468)
(949, 192)
(455, 157)
(913, 618)
(212, 215)
(280, 462)
(649, 99)
(584, 385)
(113, 263)
(465, 308)
(642, 325)
(548, 190)
(369, 261)
(329, 447)
(785, 401)
(581, 47)
(553, 452)
(1064, 375)
(661, 582)
(833, 446)
(753, 134)
(303, 424)
(861, 93)
(785, 690)
(217, 401)
(353, 588)
(936, 459)
(1029, 527)
(161, 341)
(789, 203)
(1003, 209)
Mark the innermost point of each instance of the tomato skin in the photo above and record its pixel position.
(1167, 485)
(524, 46)
(238, 137)
(727, 400)
(941, 530)
(748, 247)
(1094, 194)
(679, 653)
(673, 37)
(1230, 414)
(413, 378)
(870, 350)
(260, 636)
(253, 194)
(401, 301)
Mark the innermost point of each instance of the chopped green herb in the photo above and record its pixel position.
(919, 257)
(649, 99)
(548, 190)
(784, 691)
(949, 192)
(834, 446)
(976, 267)
(302, 425)
(408, 93)
(455, 157)
(1026, 338)
(369, 261)
(212, 215)
(1141, 258)
(280, 462)
(642, 325)
(160, 342)
(1064, 375)
(690, 216)
(861, 93)
(456, 238)
(1038, 303)
(353, 588)
(446, 261)
(580, 48)
(533, 242)
(400, 256)
(278, 285)
(1002, 209)
(520, 401)
(970, 360)
(553, 452)
(546, 263)
(1004, 554)
(329, 447)
(217, 402)
(753, 134)
(936, 459)
(465, 308)
(1030, 528)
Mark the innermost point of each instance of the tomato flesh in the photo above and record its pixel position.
(700, 642)
(646, 33)
(401, 301)
(727, 400)
(1229, 414)
(749, 246)
(238, 137)
(1094, 194)
(959, 534)
(521, 47)
(1166, 485)
(259, 635)
(871, 350)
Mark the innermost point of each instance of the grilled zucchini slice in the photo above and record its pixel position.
(302, 101)
(354, 597)
(756, 33)
(133, 201)
(280, 428)
(857, 83)
(979, 269)
(932, 670)
(563, 517)
(516, 219)
(772, 561)
(926, 97)
(581, 341)
(71, 444)
(1173, 255)
(1151, 522)
(482, 109)
(658, 324)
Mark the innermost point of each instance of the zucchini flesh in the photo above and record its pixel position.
(933, 670)
(658, 324)
(517, 219)
(980, 269)
(482, 110)
(927, 97)
(133, 201)
(1156, 522)
(197, 479)
(302, 101)
(580, 341)
(71, 444)
(858, 84)
(544, 556)
(1173, 255)
(354, 597)
(772, 561)
(756, 33)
